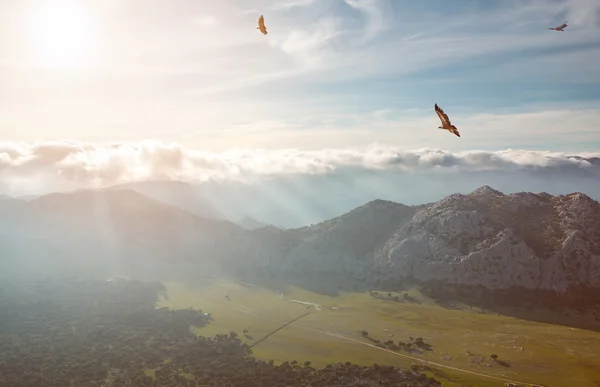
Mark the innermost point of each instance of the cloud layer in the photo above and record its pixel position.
(56, 166)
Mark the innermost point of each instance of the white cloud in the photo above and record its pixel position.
(378, 14)
(308, 42)
(41, 167)
(293, 4)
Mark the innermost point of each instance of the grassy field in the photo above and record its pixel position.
(528, 352)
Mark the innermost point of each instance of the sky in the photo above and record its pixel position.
(330, 73)
(332, 77)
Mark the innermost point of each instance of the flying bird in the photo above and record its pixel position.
(261, 25)
(446, 125)
(560, 28)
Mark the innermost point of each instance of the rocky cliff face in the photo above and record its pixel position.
(498, 241)
(485, 238)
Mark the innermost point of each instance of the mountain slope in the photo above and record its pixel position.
(112, 229)
(343, 243)
(177, 194)
(200, 200)
(122, 212)
(485, 238)
(250, 223)
(497, 241)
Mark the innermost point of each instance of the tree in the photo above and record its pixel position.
(494, 356)
(364, 333)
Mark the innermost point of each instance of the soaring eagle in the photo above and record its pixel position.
(560, 28)
(261, 25)
(446, 125)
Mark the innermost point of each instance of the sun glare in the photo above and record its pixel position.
(62, 34)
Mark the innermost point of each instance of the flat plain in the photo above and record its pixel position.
(461, 340)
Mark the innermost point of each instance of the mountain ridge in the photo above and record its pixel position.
(106, 232)
(485, 238)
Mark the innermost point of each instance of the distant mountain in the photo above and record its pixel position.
(297, 200)
(251, 224)
(112, 230)
(284, 202)
(179, 194)
(211, 201)
(93, 213)
(485, 238)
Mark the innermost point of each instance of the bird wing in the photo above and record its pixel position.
(443, 116)
(261, 25)
(559, 28)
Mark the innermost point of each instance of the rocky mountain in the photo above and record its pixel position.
(347, 242)
(497, 241)
(485, 238)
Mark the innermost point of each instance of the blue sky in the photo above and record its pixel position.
(330, 73)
